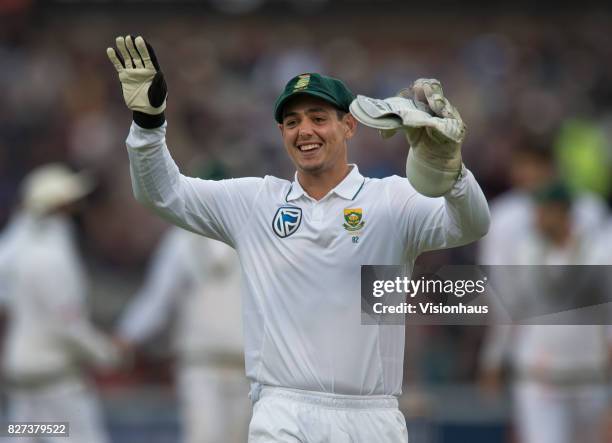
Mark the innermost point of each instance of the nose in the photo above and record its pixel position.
(304, 130)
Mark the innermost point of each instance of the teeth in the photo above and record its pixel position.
(309, 147)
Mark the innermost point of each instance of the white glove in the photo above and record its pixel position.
(433, 127)
(387, 114)
(143, 84)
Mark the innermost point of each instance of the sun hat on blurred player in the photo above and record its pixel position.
(53, 185)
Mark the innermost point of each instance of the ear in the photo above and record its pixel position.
(280, 127)
(350, 125)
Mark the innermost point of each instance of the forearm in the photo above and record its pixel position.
(91, 344)
(138, 324)
(167, 281)
(466, 210)
(151, 171)
(156, 180)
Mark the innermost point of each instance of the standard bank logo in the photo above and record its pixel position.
(286, 221)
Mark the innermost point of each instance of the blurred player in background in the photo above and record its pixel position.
(50, 340)
(193, 286)
(512, 214)
(559, 371)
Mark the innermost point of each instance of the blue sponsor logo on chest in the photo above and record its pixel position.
(287, 220)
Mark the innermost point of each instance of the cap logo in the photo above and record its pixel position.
(302, 83)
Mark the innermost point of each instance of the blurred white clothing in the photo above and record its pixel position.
(194, 284)
(49, 336)
(560, 371)
(69, 401)
(512, 217)
(548, 414)
(214, 403)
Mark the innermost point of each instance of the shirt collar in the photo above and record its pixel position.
(348, 188)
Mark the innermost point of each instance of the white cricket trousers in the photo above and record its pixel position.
(554, 414)
(215, 405)
(283, 415)
(70, 401)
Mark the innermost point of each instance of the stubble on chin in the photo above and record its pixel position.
(312, 169)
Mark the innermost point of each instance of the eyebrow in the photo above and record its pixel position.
(308, 111)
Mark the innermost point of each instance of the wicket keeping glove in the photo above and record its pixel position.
(433, 127)
(143, 83)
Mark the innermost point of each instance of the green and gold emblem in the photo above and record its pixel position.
(353, 218)
(302, 83)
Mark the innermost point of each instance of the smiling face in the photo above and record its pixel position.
(553, 221)
(314, 135)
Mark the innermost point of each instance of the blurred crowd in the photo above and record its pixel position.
(517, 81)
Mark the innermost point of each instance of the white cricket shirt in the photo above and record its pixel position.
(192, 285)
(301, 264)
(49, 330)
(555, 352)
(512, 218)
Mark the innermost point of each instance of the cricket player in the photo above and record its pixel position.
(531, 167)
(193, 284)
(317, 374)
(559, 371)
(49, 339)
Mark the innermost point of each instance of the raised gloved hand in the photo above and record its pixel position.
(433, 127)
(143, 83)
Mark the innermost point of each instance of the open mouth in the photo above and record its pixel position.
(309, 147)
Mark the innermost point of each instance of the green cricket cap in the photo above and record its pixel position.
(212, 170)
(553, 192)
(330, 89)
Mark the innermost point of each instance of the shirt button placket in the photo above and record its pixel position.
(317, 212)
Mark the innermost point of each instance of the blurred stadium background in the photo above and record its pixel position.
(517, 72)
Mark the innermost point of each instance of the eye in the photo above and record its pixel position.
(290, 123)
(319, 119)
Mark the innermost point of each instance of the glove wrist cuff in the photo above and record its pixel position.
(148, 121)
(428, 179)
